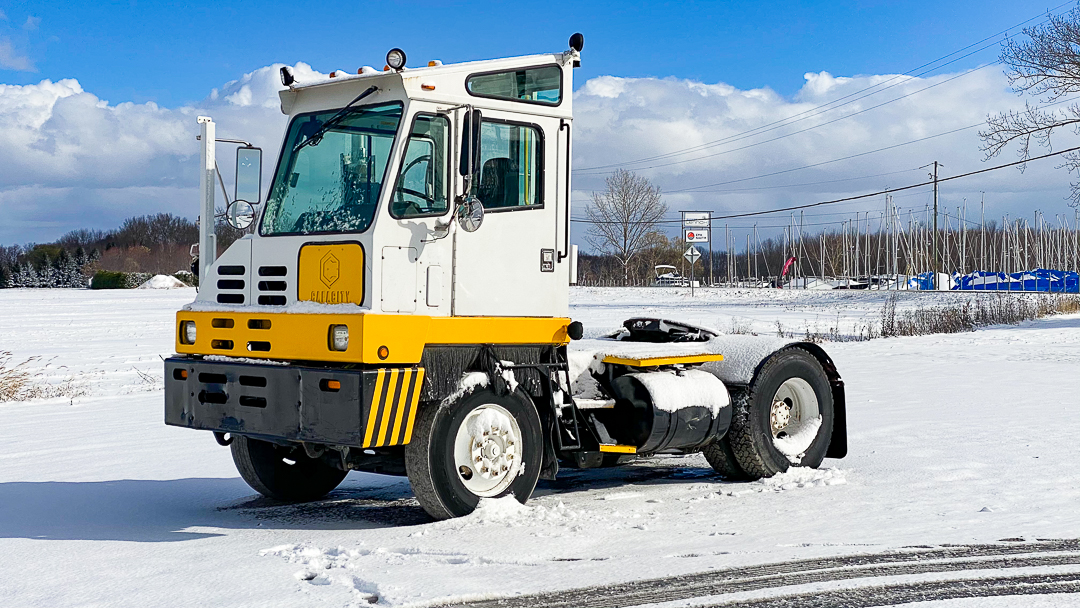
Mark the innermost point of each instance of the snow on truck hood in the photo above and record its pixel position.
(742, 354)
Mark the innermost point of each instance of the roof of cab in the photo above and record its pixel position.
(469, 66)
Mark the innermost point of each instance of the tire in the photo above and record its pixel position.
(440, 459)
(265, 467)
(719, 453)
(773, 428)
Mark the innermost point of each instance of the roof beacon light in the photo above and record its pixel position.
(287, 77)
(396, 59)
(577, 42)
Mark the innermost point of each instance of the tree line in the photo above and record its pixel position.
(147, 244)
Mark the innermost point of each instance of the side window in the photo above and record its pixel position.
(422, 187)
(541, 85)
(511, 172)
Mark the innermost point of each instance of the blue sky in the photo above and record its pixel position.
(98, 99)
(174, 53)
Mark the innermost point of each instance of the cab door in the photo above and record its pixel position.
(508, 267)
(414, 261)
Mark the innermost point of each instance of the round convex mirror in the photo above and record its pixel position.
(471, 214)
(240, 214)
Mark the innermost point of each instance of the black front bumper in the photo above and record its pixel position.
(293, 403)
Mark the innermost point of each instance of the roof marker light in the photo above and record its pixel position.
(434, 63)
(427, 86)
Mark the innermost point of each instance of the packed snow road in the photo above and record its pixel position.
(962, 459)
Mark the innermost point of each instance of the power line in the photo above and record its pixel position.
(826, 162)
(862, 196)
(811, 128)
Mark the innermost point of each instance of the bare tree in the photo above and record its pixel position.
(623, 216)
(1046, 64)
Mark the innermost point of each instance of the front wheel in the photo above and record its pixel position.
(787, 417)
(284, 473)
(482, 446)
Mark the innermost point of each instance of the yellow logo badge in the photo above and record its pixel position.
(330, 269)
(331, 274)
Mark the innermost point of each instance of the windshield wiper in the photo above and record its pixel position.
(333, 120)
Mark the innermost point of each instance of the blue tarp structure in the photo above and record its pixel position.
(1040, 279)
(925, 281)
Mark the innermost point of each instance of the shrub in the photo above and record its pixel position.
(186, 277)
(104, 279)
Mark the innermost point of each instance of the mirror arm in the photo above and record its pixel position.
(221, 181)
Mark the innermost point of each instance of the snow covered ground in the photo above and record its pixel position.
(955, 439)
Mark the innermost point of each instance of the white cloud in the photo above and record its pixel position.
(72, 160)
(619, 120)
(11, 59)
(31, 23)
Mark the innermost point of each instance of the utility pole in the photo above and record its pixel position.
(710, 250)
(935, 259)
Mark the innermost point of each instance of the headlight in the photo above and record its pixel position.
(187, 330)
(339, 337)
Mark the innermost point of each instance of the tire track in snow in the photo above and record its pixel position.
(947, 558)
(891, 595)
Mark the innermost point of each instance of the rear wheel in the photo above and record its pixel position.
(483, 446)
(787, 417)
(284, 473)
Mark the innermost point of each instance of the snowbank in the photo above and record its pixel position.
(162, 281)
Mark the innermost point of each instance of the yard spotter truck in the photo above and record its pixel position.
(401, 307)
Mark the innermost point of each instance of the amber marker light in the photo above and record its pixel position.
(384, 353)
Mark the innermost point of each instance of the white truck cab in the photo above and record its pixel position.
(372, 196)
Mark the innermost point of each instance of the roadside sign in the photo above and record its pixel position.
(696, 235)
(692, 254)
(695, 219)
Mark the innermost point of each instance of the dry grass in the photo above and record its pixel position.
(997, 309)
(18, 382)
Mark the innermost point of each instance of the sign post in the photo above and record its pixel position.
(692, 255)
(697, 228)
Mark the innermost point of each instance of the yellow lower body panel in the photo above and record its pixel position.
(373, 338)
(617, 449)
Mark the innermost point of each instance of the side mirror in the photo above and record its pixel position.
(248, 175)
(470, 143)
(470, 214)
(240, 214)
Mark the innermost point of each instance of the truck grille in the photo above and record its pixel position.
(272, 292)
(231, 291)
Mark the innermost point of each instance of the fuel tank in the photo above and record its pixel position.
(664, 410)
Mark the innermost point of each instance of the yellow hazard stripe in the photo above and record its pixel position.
(388, 403)
(393, 406)
(617, 449)
(400, 404)
(412, 405)
(373, 411)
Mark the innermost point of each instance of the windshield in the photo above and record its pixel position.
(332, 184)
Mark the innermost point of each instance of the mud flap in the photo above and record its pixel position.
(838, 445)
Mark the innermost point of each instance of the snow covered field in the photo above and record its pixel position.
(963, 439)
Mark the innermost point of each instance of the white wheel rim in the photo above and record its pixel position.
(487, 450)
(794, 417)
